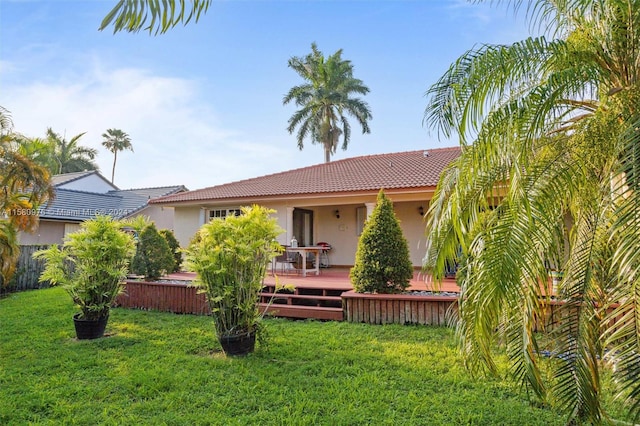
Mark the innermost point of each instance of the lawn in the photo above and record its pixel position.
(159, 368)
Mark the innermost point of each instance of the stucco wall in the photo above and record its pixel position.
(186, 222)
(163, 217)
(47, 233)
(90, 183)
(413, 227)
(340, 232)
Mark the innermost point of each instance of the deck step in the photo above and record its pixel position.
(307, 301)
(300, 311)
(301, 299)
(298, 296)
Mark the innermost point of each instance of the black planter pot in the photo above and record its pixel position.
(90, 329)
(239, 344)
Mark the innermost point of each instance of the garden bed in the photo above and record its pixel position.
(404, 308)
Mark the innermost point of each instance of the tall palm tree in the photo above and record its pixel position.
(24, 186)
(133, 15)
(116, 140)
(548, 178)
(324, 99)
(70, 156)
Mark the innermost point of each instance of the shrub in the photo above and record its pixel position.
(91, 265)
(230, 257)
(153, 256)
(382, 261)
(175, 248)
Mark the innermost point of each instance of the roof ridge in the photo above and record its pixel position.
(145, 188)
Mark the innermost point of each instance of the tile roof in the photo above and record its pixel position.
(74, 205)
(412, 169)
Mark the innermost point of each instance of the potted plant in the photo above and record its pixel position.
(230, 257)
(91, 266)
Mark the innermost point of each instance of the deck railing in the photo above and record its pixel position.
(176, 297)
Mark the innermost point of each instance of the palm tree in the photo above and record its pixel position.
(116, 140)
(24, 187)
(69, 155)
(548, 179)
(39, 150)
(132, 16)
(324, 99)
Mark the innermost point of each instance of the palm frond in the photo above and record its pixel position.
(154, 16)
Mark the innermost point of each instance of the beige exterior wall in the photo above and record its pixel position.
(52, 232)
(90, 183)
(340, 232)
(163, 217)
(186, 222)
(48, 232)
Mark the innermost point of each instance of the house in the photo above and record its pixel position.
(83, 195)
(327, 202)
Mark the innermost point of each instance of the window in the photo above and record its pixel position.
(361, 217)
(70, 228)
(223, 213)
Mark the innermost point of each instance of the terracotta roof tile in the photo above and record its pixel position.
(412, 169)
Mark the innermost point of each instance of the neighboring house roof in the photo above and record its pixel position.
(412, 169)
(65, 178)
(74, 205)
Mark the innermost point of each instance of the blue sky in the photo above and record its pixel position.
(203, 103)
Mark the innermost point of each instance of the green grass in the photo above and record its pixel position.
(158, 368)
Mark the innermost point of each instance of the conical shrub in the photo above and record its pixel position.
(383, 264)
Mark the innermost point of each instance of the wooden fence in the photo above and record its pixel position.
(28, 271)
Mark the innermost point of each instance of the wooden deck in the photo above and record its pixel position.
(317, 297)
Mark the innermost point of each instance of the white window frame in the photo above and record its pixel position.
(361, 218)
(223, 213)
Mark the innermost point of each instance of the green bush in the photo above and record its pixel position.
(382, 261)
(153, 255)
(175, 248)
(91, 265)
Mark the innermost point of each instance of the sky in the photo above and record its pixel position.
(202, 103)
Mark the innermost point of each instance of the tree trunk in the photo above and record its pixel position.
(113, 170)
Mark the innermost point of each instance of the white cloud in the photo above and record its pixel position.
(176, 135)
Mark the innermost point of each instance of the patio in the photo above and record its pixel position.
(334, 279)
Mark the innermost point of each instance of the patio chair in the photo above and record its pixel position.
(287, 262)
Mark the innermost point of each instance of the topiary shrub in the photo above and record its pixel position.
(382, 261)
(175, 248)
(153, 256)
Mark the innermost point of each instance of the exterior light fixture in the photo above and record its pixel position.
(421, 211)
(337, 213)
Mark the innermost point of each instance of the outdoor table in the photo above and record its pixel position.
(316, 250)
